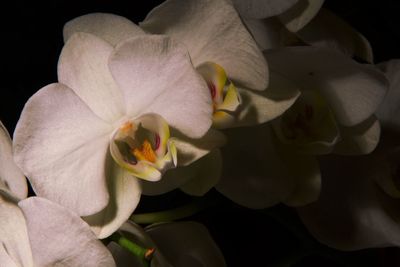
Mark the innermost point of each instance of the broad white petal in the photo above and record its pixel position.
(269, 33)
(59, 237)
(389, 110)
(352, 212)
(83, 67)
(259, 9)
(212, 31)
(329, 30)
(11, 177)
(254, 174)
(189, 150)
(125, 194)
(300, 14)
(15, 249)
(186, 244)
(353, 91)
(359, 139)
(61, 146)
(260, 107)
(205, 173)
(156, 76)
(109, 27)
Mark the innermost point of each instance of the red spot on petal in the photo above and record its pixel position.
(213, 89)
(157, 142)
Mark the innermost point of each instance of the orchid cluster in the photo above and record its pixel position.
(267, 102)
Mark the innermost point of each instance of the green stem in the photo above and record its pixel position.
(143, 254)
(170, 215)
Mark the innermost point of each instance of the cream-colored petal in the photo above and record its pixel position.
(125, 194)
(109, 27)
(269, 33)
(359, 139)
(15, 249)
(260, 107)
(352, 90)
(61, 145)
(189, 150)
(83, 66)
(59, 237)
(212, 31)
(254, 175)
(11, 177)
(300, 14)
(156, 76)
(329, 30)
(259, 9)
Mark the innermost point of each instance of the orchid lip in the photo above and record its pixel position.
(143, 147)
(225, 96)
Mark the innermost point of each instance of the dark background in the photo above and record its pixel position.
(30, 45)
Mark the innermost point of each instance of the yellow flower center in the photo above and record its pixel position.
(146, 152)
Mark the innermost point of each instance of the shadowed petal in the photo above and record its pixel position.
(259, 9)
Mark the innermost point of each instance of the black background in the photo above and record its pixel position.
(31, 40)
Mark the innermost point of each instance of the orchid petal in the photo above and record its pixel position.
(124, 192)
(205, 173)
(269, 33)
(194, 179)
(388, 111)
(156, 76)
(300, 14)
(352, 213)
(60, 237)
(11, 177)
(61, 146)
(212, 31)
(328, 30)
(260, 107)
(353, 91)
(359, 139)
(83, 67)
(259, 9)
(189, 150)
(109, 27)
(192, 244)
(15, 249)
(265, 181)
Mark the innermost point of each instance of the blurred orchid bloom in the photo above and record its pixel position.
(37, 232)
(177, 244)
(334, 114)
(85, 140)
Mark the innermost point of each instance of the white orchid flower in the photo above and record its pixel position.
(177, 244)
(37, 232)
(359, 203)
(84, 142)
(334, 114)
(227, 57)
